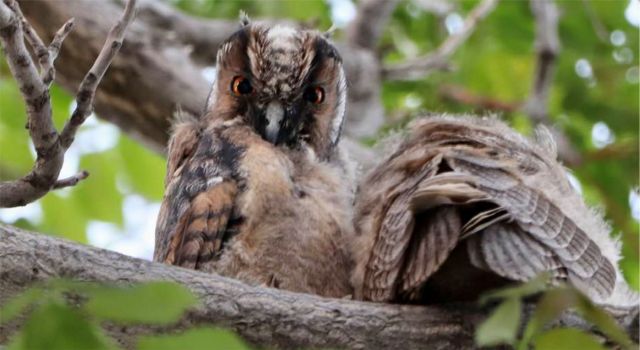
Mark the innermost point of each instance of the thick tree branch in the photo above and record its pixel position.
(419, 67)
(268, 317)
(265, 316)
(50, 147)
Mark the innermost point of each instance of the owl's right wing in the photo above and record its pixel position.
(198, 202)
(465, 181)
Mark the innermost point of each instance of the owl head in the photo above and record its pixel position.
(286, 84)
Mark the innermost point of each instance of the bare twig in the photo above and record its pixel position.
(48, 72)
(41, 128)
(419, 67)
(546, 15)
(88, 86)
(50, 147)
(372, 15)
(547, 45)
(71, 180)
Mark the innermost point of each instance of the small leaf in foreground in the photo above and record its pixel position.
(155, 302)
(195, 339)
(16, 305)
(567, 338)
(56, 326)
(502, 326)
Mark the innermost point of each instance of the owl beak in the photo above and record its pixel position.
(274, 116)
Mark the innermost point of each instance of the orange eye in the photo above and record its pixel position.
(241, 86)
(314, 95)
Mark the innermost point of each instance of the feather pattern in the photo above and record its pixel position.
(504, 196)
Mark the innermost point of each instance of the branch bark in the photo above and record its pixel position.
(265, 316)
(261, 315)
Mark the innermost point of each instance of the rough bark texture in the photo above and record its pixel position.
(261, 315)
(265, 316)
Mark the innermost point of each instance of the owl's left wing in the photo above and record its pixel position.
(198, 202)
(476, 182)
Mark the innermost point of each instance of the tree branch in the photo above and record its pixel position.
(50, 147)
(420, 67)
(262, 315)
(265, 316)
(547, 43)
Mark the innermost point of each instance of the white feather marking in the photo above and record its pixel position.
(214, 181)
(338, 119)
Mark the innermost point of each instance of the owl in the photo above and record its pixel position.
(465, 204)
(257, 188)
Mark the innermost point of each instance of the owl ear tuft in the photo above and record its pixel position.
(244, 19)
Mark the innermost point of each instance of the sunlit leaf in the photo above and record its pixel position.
(195, 339)
(534, 286)
(56, 326)
(16, 305)
(501, 327)
(144, 169)
(155, 302)
(567, 338)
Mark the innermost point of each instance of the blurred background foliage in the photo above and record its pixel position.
(594, 99)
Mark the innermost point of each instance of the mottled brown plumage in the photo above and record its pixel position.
(465, 204)
(257, 188)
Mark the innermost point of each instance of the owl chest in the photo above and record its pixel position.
(294, 228)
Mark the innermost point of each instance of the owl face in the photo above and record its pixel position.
(287, 84)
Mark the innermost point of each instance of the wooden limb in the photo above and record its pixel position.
(420, 67)
(50, 147)
(264, 316)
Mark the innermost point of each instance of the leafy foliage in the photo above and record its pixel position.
(67, 315)
(503, 324)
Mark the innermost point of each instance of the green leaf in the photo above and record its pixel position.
(195, 339)
(98, 195)
(567, 338)
(16, 305)
(551, 305)
(534, 286)
(144, 169)
(155, 302)
(605, 323)
(501, 327)
(56, 326)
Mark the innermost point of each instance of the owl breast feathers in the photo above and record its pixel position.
(257, 188)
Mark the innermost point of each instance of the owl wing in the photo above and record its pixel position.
(475, 182)
(198, 201)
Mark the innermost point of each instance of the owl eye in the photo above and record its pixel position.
(314, 95)
(241, 86)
